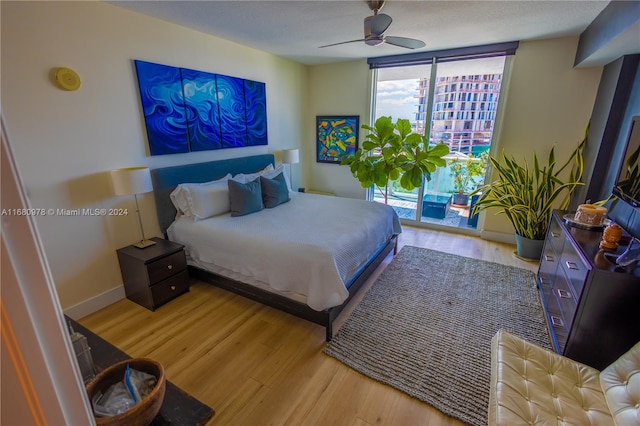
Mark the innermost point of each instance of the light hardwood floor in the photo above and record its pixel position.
(255, 365)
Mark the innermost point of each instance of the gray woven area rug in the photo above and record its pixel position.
(426, 324)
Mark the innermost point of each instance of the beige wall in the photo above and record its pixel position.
(548, 104)
(336, 89)
(65, 142)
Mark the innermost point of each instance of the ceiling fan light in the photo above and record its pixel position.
(374, 41)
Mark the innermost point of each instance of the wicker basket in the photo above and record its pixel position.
(142, 413)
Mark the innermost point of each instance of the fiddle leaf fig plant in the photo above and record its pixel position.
(392, 151)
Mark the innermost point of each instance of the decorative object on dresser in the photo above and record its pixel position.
(133, 181)
(590, 301)
(631, 254)
(290, 156)
(426, 324)
(156, 275)
(611, 236)
(590, 214)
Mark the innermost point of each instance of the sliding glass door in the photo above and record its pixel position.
(455, 102)
(397, 91)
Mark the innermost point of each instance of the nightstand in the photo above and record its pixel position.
(154, 275)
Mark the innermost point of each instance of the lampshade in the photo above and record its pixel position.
(291, 156)
(132, 180)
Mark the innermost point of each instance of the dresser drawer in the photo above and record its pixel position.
(554, 318)
(166, 267)
(555, 235)
(168, 289)
(565, 299)
(574, 269)
(548, 264)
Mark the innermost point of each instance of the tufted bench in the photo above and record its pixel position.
(534, 386)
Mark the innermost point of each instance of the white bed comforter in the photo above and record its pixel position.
(305, 249)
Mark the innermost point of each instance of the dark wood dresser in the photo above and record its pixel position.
(592, 305)
(154, 275)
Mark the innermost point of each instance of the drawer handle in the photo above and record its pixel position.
(564, 294)
(173, 287)
(554, 234)
(170, 267)
(548, 258)
(557, 322)
(572, 265)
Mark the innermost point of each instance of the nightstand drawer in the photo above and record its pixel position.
(166, 267)
(168, 289)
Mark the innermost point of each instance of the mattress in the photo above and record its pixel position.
(307, 249)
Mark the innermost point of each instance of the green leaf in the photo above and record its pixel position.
(439, 150)
(403, 126)
(368, 145)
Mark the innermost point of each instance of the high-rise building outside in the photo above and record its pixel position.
(464, 111)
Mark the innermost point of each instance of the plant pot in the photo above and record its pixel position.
(528, 248)
(460, 199)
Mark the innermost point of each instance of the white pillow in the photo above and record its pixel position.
(179, 199)
(249, 177)
(209, 200)
(180, 196)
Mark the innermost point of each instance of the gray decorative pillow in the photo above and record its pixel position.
(274, 191)
(245, 198)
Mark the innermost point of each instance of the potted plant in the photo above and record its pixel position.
(527, 195)
(391, 151)
(465, 173)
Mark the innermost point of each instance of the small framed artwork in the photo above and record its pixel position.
(336, 137)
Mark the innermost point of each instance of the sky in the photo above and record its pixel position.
(395, 98)
(396, 87)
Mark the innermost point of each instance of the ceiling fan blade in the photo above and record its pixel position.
(342, 42)
(378, 24)
(409, 43)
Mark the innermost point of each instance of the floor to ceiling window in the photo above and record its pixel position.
(453, 101)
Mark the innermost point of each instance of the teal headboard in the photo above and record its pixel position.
(167, 178)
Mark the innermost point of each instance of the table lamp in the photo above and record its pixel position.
(290, 156)
(133, 181)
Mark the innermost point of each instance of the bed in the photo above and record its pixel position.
(307, 256)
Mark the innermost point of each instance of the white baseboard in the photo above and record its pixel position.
(498, 236)
(96, 303)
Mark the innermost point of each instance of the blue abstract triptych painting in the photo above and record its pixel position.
(187, 110)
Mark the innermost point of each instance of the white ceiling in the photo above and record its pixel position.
(296, 29)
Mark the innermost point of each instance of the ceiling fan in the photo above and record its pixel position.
(374, 28)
